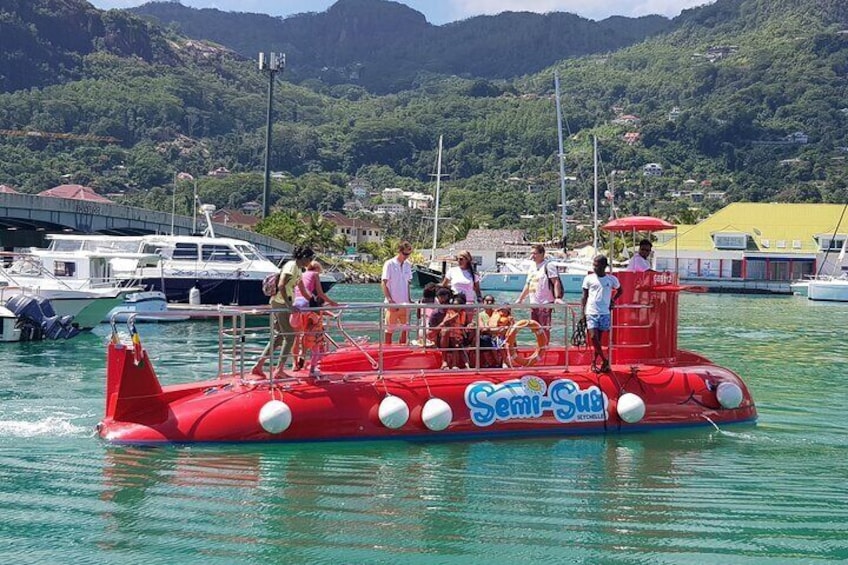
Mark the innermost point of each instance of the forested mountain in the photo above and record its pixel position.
(385, 46)
(747, 97)
(42, 43)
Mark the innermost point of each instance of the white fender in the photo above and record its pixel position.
(631, 408)
(393, 412)
(436, 414)
(729, 395)
(275, 417)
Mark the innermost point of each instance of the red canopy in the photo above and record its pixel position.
(638, 223)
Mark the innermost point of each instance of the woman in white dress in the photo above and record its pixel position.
(463, 278)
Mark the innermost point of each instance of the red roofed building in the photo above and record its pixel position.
(235, 219)
(7, 190)
(74, 192)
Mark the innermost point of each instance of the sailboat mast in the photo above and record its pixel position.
(436, 212)
(561, 163)
(595, 214)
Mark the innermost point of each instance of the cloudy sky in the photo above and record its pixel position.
(443, 11)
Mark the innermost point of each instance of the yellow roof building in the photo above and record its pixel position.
(757, 241)
(774, 228)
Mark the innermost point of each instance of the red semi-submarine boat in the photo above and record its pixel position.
(371, 391)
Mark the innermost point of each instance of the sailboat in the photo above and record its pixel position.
(512, 273)
(833, 288)
(572, 271)
(421, 274)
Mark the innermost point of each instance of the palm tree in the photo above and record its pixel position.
(460, 229)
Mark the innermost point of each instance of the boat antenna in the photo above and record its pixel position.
(436, 210)
(207, 210)
(561, 156)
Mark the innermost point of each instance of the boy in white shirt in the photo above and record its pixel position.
(599, 293)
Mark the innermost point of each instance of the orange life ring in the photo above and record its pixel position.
(512, 351)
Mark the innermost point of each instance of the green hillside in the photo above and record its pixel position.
(719, 100)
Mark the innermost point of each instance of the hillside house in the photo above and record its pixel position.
(355, 230)
(235, 219)
(360, 188)
(652, 170)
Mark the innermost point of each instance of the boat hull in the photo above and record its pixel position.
(240, 292)
(503, 281)
(572, 283)
(521, 402)
(421, 276)
(833, 290)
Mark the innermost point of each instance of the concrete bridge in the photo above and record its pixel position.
(26, 218)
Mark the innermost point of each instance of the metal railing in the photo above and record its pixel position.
(360, 329)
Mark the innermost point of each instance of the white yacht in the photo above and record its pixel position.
(223, 270)
(80, 285)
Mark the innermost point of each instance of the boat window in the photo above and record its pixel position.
(152, 249)
(65, 245)
(64, 268)
(185, 252)
(220, 253)
(250, 253)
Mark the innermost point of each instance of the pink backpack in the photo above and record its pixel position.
(270, 284)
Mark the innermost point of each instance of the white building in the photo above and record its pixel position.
(652, 170)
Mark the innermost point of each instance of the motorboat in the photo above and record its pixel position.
(539, 384)
(79, 285)
(511, 275)
(145, 306)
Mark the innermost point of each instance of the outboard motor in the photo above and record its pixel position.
(37, 320)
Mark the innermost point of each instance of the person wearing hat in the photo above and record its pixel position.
(463, 278)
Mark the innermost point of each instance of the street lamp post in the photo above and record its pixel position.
(272, 63)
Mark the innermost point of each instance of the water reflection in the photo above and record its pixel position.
(379, 499)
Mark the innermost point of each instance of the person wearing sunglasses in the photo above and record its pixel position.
(463, 278)
(397, 274)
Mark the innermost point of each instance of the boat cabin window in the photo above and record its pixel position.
(250, 253)
(156, 249)
(65, 245)
(220, 253)
(64, 268)
(185, 252)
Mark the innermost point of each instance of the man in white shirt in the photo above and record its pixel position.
(542, 287)
(599, 293)
(397, 274)
(640, 263)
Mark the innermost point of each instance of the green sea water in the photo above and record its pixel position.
(776, 492)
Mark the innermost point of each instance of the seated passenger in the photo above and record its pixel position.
(489, 356)
(437, 315)
(454, 334)
(500, 322)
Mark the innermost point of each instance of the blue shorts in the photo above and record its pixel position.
(598, 322)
